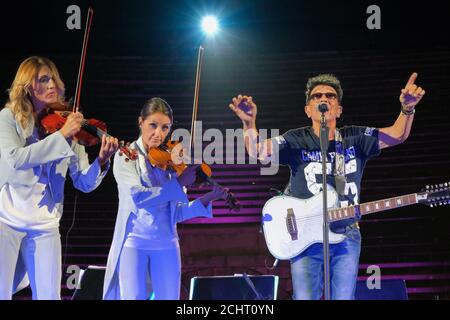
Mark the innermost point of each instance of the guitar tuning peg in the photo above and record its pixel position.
(431, 205)
(427, 187)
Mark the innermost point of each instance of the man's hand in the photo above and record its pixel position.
(244, 108)
(411, 94)
(109, 146)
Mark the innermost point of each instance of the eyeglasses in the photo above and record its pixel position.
(45, 79)
(318, 96)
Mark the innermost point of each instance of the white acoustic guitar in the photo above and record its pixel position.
(291, 224)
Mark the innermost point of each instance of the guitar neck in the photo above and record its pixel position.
(372, 207)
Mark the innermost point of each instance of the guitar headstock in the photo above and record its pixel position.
(129, 153)
(435, 195)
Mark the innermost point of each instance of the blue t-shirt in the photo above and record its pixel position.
(300, 150)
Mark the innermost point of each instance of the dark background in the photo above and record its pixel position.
(170, 29)
(155, 27)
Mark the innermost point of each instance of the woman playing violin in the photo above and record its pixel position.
(151, 202)
(32, 175)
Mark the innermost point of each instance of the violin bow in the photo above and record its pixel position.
(196, 95)
(87, 31)
(233, 203)
(75, 108)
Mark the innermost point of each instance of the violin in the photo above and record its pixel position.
(55, 116)
(163, 158)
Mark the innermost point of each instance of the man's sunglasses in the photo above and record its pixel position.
(318, 96)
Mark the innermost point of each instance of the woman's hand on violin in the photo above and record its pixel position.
(244, 108)
(109, 146)
(72, 125)
(188, 176)
(218, 192)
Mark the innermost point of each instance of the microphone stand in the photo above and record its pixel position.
(324, 148)
(250, 283)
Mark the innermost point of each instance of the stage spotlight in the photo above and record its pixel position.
(210, 25)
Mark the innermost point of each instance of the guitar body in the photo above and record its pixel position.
(291, 225)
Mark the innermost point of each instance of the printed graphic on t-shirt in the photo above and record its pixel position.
(313, 173)
(301, 152)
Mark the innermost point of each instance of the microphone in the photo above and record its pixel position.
(323, 107)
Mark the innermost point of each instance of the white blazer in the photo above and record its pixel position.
(21, 161)
(136, 192)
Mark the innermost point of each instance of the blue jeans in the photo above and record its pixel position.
(307, 269)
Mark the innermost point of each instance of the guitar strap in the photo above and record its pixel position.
(339, 175)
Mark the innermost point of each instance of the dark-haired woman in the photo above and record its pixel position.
(145, 254)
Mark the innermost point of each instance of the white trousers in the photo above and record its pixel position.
(40, 252)
(163, 267)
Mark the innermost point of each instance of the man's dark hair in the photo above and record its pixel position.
(326, 79)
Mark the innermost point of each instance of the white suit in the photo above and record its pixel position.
(141, 193)
(34, 171)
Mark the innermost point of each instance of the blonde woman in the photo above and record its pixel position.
(32, 176)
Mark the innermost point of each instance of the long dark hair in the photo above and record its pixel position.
(154, 105)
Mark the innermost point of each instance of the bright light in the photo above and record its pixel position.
(210, 25)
